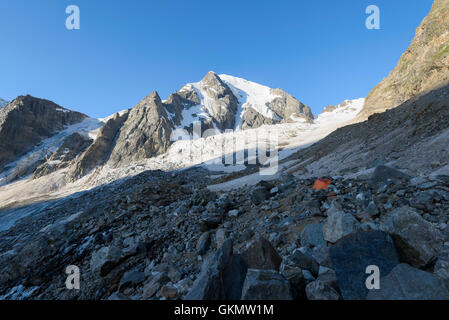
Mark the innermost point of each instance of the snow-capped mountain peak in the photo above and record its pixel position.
(229, 102)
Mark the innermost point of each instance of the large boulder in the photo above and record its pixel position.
(417, 240)
(303, 261)
(312, 235)
(383, 174)
(104, 260)
(407, 283)
(260, 254)
(221, 276)
(265, 285)
(338, 225)
(351, 256)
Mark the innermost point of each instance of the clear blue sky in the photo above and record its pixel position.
(319, 51)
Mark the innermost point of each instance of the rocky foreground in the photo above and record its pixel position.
(166, 236)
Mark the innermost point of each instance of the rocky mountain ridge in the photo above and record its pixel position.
(217, 102)
(423, 67)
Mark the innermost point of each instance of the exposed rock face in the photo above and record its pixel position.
(287, 106)
(424, 66)
(224, 104)
(253, 119)
(26, 121)
(145, 133)
(73, 146)
(99, 151)
(265, 285)
(344, 104)
(221, 276)
(261, 255)
(220, 96)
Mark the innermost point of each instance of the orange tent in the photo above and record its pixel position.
(322, 184)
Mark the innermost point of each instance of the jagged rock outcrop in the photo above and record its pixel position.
(73, 146)
(223, 105)
(287, 106)
(26, 121)
(253, 119)
(423, 67)
(99, 151)
(145, 133)
(216, 101)
(226, 102)
(344, 104)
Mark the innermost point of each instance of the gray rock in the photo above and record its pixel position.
(145, 133)
(169, 292)
(372, 209)
(154, 284)
(170, 270)
(296, 280)
(220, 236)
(259, 194)
(382, 174)
(26, 121)
(408, 283)
(233, 277)
(203, 243)
(260, 254)
(131, 279)
(220, 276)
(418, 242)
(312, 235)
(303, 261)
(72, 146)
(320, 290)
(351, 256)
(338, 225)
(98, 152)
(265, 285)
(104, 260)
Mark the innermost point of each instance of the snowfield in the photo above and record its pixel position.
(250, 95)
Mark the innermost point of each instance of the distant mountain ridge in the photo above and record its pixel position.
(218, 102)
